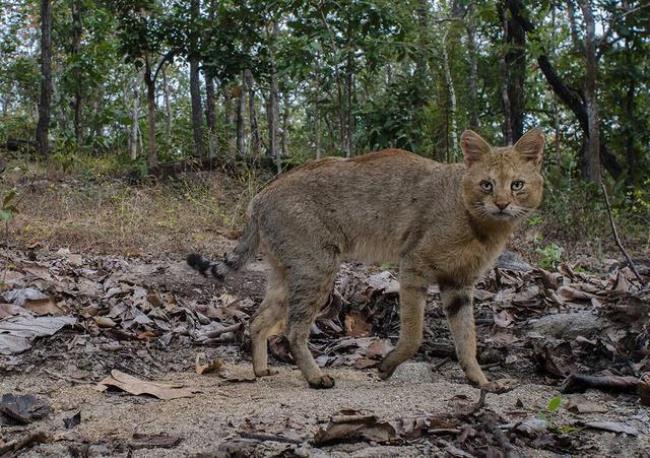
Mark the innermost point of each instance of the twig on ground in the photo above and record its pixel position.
(616, 237)
(481, 401)
(269, 437)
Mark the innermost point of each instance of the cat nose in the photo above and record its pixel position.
(502, 205)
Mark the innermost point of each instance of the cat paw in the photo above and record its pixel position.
(385, 371)
(323, 383)
(266, 373)
(500, 386)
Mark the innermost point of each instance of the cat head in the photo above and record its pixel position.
(502, 183)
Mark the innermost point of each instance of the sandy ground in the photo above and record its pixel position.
(282, 405)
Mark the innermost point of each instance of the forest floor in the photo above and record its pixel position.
(97, 305)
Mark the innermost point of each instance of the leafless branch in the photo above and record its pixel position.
(616, 237)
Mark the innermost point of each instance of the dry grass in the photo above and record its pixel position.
(198, 212)
(203, 212)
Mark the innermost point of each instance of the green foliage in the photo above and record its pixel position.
(551, 255)
(553, 404)
(9, 206)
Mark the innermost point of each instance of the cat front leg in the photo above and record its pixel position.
(412, 295)
(458, 307)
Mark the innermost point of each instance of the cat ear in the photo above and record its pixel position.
(473, 146)
(531, 145)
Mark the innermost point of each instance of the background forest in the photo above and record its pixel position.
(120, 85)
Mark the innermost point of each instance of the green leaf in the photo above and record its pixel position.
(554, 404)
(5, 215)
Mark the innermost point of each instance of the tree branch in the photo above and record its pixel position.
(167, 57)
(616, 237)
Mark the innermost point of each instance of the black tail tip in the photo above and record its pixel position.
(196, 261)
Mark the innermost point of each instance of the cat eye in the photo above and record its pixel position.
(486, 186)
(517, 185)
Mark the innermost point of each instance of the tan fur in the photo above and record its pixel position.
(434, 219)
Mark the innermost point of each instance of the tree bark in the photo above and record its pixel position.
(150, 84)
(591, 163)
(45, 101)
(77, 30)
(252, 114)
(195, 82)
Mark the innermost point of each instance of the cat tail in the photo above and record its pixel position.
(243, 252)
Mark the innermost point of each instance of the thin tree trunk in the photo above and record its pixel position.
(272, 107)
(241, 107)
(349, 89)
(77, 30)
(45, 102)
(451, 93)
(470, 27)
(252, 114)
(152, 151)
(227, 116)
(591, 164)
(285, 125)
(211, 115)
(195, 83)
(168, 106)
(514, 62)
(134, 131)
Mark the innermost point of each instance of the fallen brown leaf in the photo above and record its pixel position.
(134, 385)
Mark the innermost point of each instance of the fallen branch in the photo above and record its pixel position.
(616, 237)
(580, 382)
(269, 438)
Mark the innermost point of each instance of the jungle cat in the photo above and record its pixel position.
(443, 223)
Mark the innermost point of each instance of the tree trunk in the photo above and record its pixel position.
(571, 98)
(252, 115)
(211, 116)
(45, 101)
(168, 106)
(241, 107)
(77, 30)
(272, 108)
(591, 163)
(152, 152)
(470, 27)
(134, 131)
(349, 91)
(515, 74)
(195, 83)
(451, 94)
(285, 125)
(227, 116)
